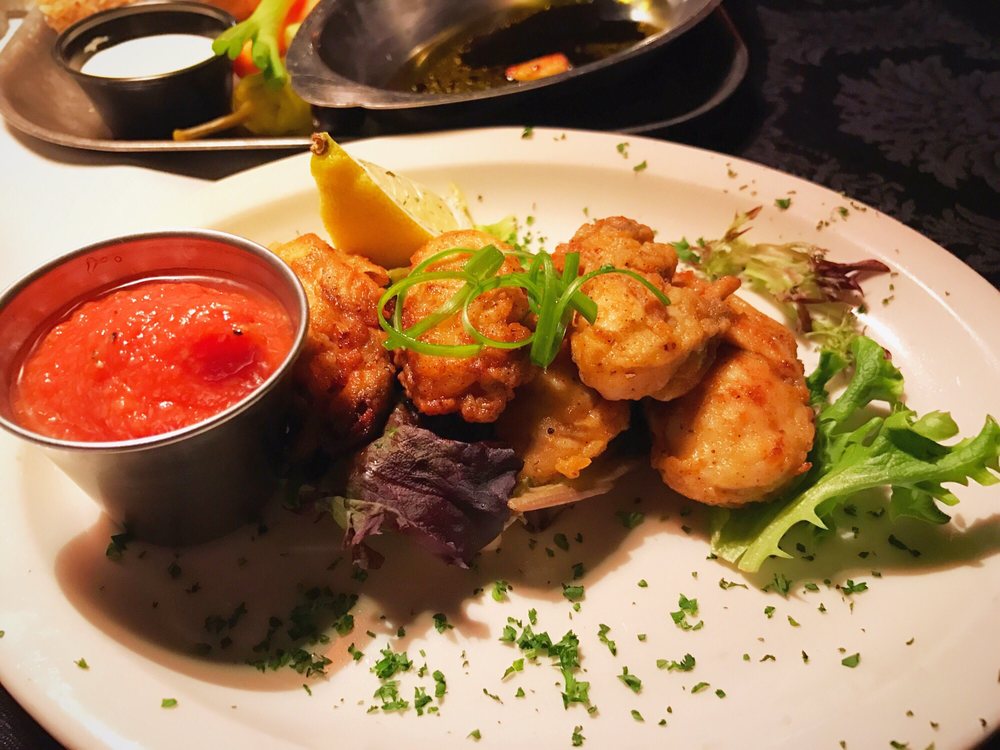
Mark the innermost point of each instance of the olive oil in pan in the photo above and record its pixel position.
(475, 57)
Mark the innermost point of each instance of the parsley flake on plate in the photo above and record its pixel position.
(686, 664)
(500, 589)
(688, 608)
(441, 623)
(632, 682)
(602, 636)
(631, 519)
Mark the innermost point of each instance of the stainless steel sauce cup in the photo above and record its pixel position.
(191, 484)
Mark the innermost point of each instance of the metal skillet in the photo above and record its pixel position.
(348, 52)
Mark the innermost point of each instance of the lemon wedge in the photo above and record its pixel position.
(371, 211)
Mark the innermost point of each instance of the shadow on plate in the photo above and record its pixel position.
(207, 610)
(284, 584)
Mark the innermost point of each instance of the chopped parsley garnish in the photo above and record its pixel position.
(573, 592)
(519, 693)
(851, 661)
(631, 519)
(577, 571)
(640, 167)
(561, 542)
(783, 203)
(602, 636)
(516, 666)
(391, 663)
(769, 611)
(441, 623)
(527, 133)
(344, 624)
(688, 608)
(565, 653)
(792, 621)
(636, 715)
(631, 681)
(622, 149)
(781, 584)
(642, 583)
(174, 569)
(420, 699)
(811, 586)
(699, 687)
(388, 693)
(440, 685)
(118, 545)
(355, 653)
(686, 664)
(492, 696)
(850, 587)
(724, 584)
(168, 703)
(82, 663)
(307, 627)
(500, 589)
(721, 693)
(577, 737)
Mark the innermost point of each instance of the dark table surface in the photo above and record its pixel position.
(894, 102)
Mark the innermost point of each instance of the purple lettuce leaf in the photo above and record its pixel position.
(451, 496)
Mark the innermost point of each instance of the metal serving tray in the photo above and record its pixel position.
(692, 76)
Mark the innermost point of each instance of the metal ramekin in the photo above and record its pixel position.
(150, 106)
(191, 484)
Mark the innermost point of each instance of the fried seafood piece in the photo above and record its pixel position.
(476, 387)
(623, 243)
(637, 346)
(345, 373)
(557, 425)
(744, 432)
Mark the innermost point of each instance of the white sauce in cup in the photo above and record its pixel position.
(148, 56)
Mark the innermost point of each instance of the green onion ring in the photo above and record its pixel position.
(553, 297)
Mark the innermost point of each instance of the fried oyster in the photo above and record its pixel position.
(745, 431)
(479, 387)
(344, 373)
(638, 347)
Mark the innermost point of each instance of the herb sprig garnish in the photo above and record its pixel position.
(553, 298)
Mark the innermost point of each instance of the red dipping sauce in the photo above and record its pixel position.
(150, 358)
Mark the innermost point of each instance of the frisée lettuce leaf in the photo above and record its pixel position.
(855, 450)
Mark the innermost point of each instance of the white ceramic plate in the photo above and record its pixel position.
(925, 629)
